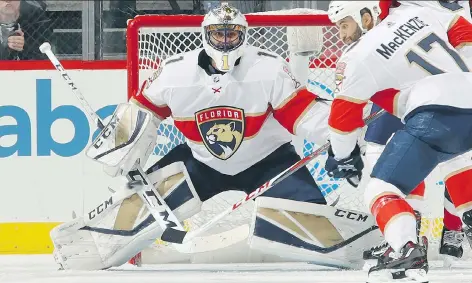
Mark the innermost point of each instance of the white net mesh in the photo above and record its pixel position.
(158, 43)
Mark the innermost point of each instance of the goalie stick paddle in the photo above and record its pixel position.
(182, 237)
(161, 212)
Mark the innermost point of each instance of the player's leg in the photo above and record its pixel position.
(452, 235)
(377, 135)
(458, 177)
(122, 220)
(207, 181)
(408, 158)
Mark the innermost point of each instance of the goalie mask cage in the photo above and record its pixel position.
(153, 38)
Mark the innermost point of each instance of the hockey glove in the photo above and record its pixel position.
(349, 168)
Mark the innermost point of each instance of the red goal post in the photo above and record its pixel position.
(194, 21)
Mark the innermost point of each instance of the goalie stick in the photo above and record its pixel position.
(182, 237)
(160, 211)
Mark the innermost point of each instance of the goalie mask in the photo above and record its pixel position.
(224, 36)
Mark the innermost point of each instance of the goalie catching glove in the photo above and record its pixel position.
(349, 168)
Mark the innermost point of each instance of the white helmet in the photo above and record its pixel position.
(338, 10)
(224, 36)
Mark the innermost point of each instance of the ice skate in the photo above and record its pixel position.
(411, 265)
(451, 246)
(467, 227)
(373, 255)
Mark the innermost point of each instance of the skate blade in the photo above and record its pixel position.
(448, 261)
(400, 276)
(369, 263)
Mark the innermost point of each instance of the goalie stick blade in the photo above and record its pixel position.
(172, 235)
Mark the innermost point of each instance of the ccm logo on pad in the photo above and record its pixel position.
(351, 215)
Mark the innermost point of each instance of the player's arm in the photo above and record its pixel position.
(356, 85)
(152, 94)
(459, 32)
(460, 36)
(301, 112)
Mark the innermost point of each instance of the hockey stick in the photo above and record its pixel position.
(161, 212)
(182, 237)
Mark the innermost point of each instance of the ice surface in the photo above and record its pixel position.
(42, 269)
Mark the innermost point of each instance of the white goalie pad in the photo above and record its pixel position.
(108, 235)
(129, 137)
(175, 186)
(323, 235)
(121, 226)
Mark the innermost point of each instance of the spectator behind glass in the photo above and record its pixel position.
(23, 28)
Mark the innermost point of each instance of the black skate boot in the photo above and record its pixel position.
(451, 246)
(410, 265)
(372, 256)
(451, 243)
(383, 250)
(418, 224)
(467, 227)
(376, 252)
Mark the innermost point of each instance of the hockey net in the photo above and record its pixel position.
(153, 38)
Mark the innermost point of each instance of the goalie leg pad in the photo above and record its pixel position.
(174, 184)
(106, 236)
(310, 232)
(122, 226)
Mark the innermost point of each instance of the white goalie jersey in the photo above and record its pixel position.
(231, 121)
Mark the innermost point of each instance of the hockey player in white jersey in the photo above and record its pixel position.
(237, 106)
(452, 235)
(379, 131)
(391, 65)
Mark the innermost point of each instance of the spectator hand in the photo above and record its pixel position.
(17, 40)
(349, 168)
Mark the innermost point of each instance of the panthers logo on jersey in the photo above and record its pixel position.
(221, 129)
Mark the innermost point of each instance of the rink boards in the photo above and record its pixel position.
(43, 133)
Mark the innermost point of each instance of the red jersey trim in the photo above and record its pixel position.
(290, 114)
(161, 111)
(387, 99)
(460, 32)
(346, 116)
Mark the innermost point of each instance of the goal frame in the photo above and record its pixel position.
(194, 21)
(432, 220)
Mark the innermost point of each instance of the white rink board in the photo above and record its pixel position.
(41, 269)
(44, 185)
